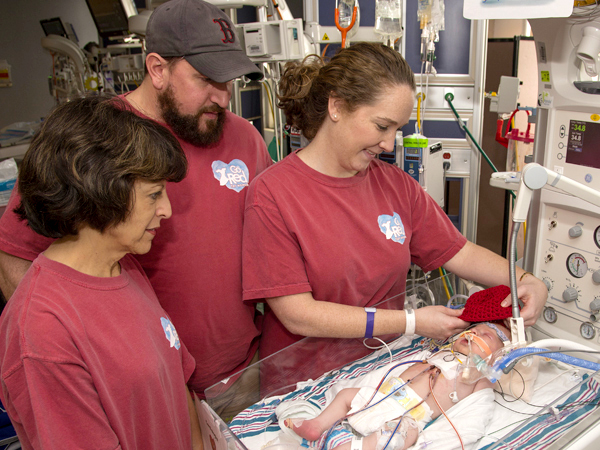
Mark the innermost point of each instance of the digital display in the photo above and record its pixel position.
(53, 26)
(109, 16)
(583, 147)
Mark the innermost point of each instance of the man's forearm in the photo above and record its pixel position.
(12, 270)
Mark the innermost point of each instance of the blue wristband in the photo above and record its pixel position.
(370, 322)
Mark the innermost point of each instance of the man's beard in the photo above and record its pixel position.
(187, 126)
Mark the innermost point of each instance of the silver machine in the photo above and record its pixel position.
(562, 246)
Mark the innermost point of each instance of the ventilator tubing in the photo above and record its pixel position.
(506, 364)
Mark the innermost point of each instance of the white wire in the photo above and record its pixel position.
(279, 118)
(424, 104)
(418, 128)
(426, 288)
(587, 14)
(380, 347)
(551, 380)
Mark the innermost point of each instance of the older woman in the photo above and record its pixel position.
(88, 358)
(331, 229)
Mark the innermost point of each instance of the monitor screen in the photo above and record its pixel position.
(583, 147)
(109, 16)
(53, 26)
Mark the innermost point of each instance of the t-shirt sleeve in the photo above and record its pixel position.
(56, 403)
(187, 360)
(435, 239)
(272, 262)
(265, 159)
(16, 238)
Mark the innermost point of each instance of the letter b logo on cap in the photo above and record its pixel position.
(227, 31)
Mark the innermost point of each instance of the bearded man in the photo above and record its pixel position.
(193, 56)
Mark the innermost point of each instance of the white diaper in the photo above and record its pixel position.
(402, 400)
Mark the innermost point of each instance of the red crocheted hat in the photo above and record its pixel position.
(484, 306)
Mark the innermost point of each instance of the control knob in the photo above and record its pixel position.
(570, 294)
(575, 231)
(596, 276)
(548, 283)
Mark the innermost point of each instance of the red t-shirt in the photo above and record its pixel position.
(91, 362)
(346, 240)
(195, 261)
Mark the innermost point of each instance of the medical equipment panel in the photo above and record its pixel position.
(563, 231)
(424, 162)
(568, 261)
(279, 40)
(573, 147)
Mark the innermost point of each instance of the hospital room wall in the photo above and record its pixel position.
(510, 53)
(28, 99)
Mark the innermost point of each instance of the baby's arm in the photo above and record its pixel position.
(411, 437)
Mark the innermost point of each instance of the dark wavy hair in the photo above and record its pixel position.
(82, 164)
(358, 75)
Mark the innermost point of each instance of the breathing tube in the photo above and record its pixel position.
(504, 360)
(505, 364)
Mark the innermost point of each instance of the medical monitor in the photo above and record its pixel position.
(583, 145)
(54, 26)
(110, 16)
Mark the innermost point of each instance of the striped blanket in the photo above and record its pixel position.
(515, 424)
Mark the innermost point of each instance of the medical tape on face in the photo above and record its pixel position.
(479, 342)
(499, 332)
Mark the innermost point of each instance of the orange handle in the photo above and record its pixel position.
(344, 31)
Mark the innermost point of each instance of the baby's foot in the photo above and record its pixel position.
(307, 429)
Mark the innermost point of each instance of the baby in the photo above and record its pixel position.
(392, 414)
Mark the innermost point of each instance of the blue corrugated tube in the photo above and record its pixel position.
(558, 356)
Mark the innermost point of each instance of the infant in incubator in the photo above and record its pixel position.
(391, 415)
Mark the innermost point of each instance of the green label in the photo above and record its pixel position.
(415, 142)
(545, 76)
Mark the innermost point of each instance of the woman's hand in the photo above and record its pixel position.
(439, 322)
(533, 293)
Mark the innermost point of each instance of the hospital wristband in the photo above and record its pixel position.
(411, 322)
(370, 322)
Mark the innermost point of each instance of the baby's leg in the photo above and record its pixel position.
(312, 429)
(404, 436)
(377, 441)
(368, 443)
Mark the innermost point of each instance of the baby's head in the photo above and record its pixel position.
(482, 339)
(489, 334)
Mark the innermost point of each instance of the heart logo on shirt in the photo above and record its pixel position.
(170, 333)
(392, 227)
(234, 175)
